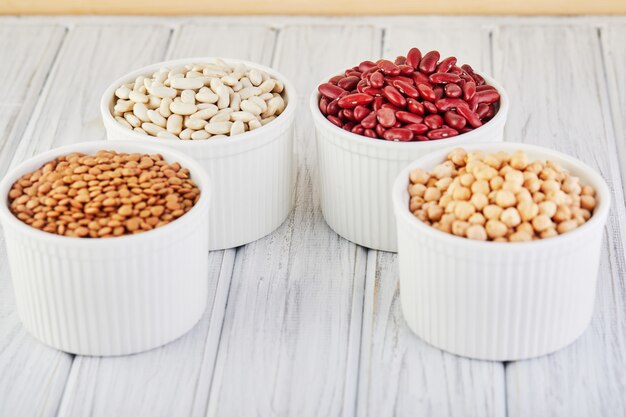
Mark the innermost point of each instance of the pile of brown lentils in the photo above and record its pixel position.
(500, 197)
(103, 195)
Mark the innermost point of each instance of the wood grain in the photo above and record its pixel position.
(319, 7)
(401, 375)
(291, 333)
(558, 96)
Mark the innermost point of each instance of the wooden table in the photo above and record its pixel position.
(303, 322)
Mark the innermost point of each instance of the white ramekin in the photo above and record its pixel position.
(253, 173)
(110, 296)
(356, 173)
(498, 301)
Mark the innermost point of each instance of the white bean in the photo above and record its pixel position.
(250, 107)
(200, 135)
(186, 83)
(164, 108)
(156, 118)
(123, 92)
(151, 128)
(141, 111)
(205, 114)
(195, 123)
(184, 109)
(218, 128)
(244, 116)
(237, 128)
(188, 96)
(138, 97)
(175, 124)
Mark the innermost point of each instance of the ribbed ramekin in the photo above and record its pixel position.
(498, 301)
(110, 296)
(253, 173)
(356, 173)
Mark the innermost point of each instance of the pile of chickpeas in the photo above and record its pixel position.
(500, 197)
(103, 195)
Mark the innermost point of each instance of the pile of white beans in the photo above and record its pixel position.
(199, 101)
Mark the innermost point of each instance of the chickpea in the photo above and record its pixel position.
(505, 199)
(443, 170)
(434, 212)
(477, 218)
(519, 160)
(510, 217)
(525, 227)
(512, 187)
(457, 156)
(419, 176)
(571, 185)
(548, 208)
(493, 161)
(538, 197)
(480, 187)
(467, 179)
(445, 200)
(521, 236)
(536, 167)
(447, 218)
(551, 232)
(463, 210)
(459, 227)
(587, 201)
(524, 195)
(566, 226)
(527, 210)
(563, 213)
(416, 203)
(514, 176)
(588, 190)
(417, 190)
(485, 173)
(495, 229)
(496, 183)
(479, 201)
(550, 186)
(444, 227)
(432, 194)
(558, 197)
(443, 183)
(421, 214)
(492, 211)
(476, 232)
(461, 193)
(542, 222)
(478, 155)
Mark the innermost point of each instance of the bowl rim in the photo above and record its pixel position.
(459, 140)
(281, 121)
(198, 175)
(586, 174)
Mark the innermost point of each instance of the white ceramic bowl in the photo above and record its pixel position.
(498, 301)
(110, 296)
(356, 173)
(253, 173)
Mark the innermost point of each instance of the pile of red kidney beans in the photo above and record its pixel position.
(415, 98)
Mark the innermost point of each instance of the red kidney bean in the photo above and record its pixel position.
(324, 105)
(405, 70)
(482, 110)
(413, 57)
(453, 90)
(407, 117)
(477, 78)
(391, 80)
(446, 65)
(333, 108)
(373, 91)
(360, 112)
(399, 60)
(349, 114)
(426, 92)
(386, 117)
(335, 120)
(453, 120)
(358, 129)
(487, 96)
(349, 126)
(469, 115)
(334, 80)
(369, 121)
(491, 111)
(370, 133)
(446, 104)
(466, 129)
(485, 87)
(406, 88)
(380, 130)
(430, 107)
(469, 89)
(433, 121)
(441, 133)
(348, 83)
(419, 78)
(342, 116)
(330, 90)
(377, 80)
(388, 67)
(352, 100)
(415, 106)
(444, 78)
(421, 138)
(438, 92)
(361, 85)
(390, 106)
(428, 64)
(399, 134)
(392, 94)
(417, 128)
(366, 65)
(456, 70)
(378, 102)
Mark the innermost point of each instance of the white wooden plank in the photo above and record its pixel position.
(555, 78)
(401, 375)
(33, 375)
(174, 379)
(614, 54)
(294, 311)
(26, 55)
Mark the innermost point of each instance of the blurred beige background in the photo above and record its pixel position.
(317, 7)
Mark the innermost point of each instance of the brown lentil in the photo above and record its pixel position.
(94, 196)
